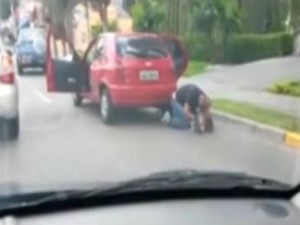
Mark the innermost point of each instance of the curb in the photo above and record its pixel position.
(292, 139)
(289, 138)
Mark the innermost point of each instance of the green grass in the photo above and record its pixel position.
(291, 88)
(195, 68)
(258, 114)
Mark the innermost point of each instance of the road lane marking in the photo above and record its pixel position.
(42, 96)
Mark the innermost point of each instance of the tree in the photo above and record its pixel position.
(148, 15)
(60, 14)
(294, 16)
(259, 16)
(127, 4)
(217, 19)
(101, 7)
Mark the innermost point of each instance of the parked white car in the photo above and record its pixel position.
(9, 109)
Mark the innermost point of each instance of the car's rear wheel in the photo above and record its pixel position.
(10, 129)
(77, 100)
(106, 107)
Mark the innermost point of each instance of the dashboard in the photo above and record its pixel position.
(181, 212)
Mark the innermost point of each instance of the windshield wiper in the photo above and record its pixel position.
(174, 180)
(192, 179)
(166, 182)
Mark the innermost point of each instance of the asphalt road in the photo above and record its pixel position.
(63, 144)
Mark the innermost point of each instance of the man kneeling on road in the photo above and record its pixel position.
(189, 109)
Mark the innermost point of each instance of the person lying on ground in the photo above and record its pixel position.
(190, 108)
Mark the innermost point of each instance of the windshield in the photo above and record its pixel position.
(28, 33)
(205, 85)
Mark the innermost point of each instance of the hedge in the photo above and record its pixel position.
(287, 44)
(240, 47)
(249, 47)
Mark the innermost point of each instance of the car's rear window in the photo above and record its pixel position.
(141, 47)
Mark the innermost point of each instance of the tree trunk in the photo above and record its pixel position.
(102, 9)
(273, 17)
(69, 24)
(54, 38)
(55, 47)
(295, 14)
(87, 8)
(12, 10)
(211, 46)
(253, 15)
(103, 15)
(64, 47)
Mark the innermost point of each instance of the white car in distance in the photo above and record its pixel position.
(9, 105)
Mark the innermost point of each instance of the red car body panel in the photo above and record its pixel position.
(139, 95)
(49, 65)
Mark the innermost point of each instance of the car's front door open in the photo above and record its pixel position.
(65, 71)
(178, 54)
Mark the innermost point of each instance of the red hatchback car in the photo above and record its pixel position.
(120, 70)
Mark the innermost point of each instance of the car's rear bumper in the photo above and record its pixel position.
(31, 64)
(141, 95)
(8, 101)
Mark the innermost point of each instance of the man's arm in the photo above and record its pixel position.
(187, 111)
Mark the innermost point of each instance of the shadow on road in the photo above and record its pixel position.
(144, 116)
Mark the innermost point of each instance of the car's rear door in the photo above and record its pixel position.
(144, 59)
(65, 75)
(178, 53)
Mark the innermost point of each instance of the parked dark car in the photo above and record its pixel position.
(30, 49)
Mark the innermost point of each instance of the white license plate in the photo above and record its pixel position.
(149, 75)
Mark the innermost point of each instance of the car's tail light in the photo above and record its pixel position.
(7, 78)
(7, 74)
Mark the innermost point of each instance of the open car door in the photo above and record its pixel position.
(178, 54)
(65, 70)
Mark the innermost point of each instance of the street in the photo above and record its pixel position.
(63, 144)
